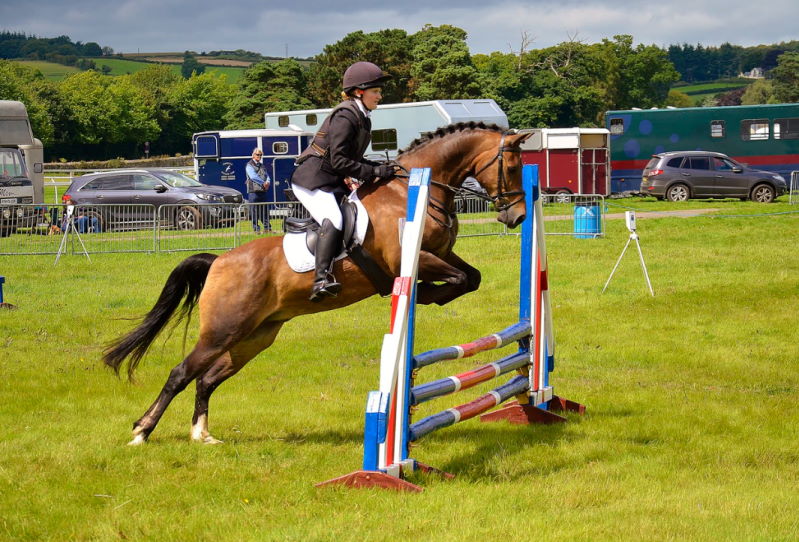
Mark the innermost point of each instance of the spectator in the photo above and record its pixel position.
(258, 182)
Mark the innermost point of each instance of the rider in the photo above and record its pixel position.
(335, 154)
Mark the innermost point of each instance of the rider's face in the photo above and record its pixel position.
(371, 97)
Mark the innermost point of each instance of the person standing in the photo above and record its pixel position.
(336, 153)
(258, 182)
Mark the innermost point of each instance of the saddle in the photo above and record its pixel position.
(350, 245)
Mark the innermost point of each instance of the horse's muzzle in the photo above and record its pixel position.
(512, 217)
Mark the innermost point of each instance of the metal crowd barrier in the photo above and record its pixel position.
(172, 228)
(793, 188)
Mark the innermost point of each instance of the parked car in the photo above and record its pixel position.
(191, 204)
(681, 175)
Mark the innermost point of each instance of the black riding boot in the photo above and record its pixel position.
(327, 247)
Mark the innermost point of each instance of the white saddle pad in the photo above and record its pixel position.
(296, 250)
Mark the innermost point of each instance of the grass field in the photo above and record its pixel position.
(120, 66)
(51, 70)
(690, 432)
(700, 92)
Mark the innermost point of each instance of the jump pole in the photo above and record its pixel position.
(388, 431)
(539, 403)
(387, 413)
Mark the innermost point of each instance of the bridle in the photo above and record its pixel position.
(501, 194)
(496, 199)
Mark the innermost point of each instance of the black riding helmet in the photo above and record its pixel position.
(363, 75)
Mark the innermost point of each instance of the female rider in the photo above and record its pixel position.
(336, 153)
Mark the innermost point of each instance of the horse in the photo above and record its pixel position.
(246, 294)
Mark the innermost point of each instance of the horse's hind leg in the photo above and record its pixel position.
(195, 364)
(226, 366)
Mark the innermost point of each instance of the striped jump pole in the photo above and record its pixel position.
(389, 431)
(538, 404)
(387, 410)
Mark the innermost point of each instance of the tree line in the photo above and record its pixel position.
(88, 115)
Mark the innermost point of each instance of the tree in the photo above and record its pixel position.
(643, 75)
(197, 104)
(679, 99)
(442, 67)
(759, 92)
(264, 87)
(20, 83)
(389, 49)
(190, 65)
(785, 78)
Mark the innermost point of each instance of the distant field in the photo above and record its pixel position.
(50, 70)
(701, 91)
(119, 66)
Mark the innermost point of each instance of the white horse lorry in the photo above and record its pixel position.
(21, 169)
(220, 156)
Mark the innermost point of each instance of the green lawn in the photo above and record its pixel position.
(690, 431)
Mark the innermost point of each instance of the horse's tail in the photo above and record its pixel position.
(186, 280)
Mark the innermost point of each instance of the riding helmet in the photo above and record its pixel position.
(364, 75)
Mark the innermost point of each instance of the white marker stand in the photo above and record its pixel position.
(70, 228)
(630, 220)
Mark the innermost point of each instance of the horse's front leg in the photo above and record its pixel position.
(443, 280)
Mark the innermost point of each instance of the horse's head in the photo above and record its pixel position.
(498, 169)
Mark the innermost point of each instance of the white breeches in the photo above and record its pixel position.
(322, 205)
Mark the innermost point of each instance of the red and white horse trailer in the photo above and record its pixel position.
(570, 160)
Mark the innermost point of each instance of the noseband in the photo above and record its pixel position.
(501, 194)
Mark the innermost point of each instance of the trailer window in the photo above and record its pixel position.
(283, 121)
(206, 146)
(310, 120)
(717, 128)
(384, 140)
(280, 147)
(617, 126)
(754, 129)
(786, 128)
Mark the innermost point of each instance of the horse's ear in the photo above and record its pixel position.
(516, 139)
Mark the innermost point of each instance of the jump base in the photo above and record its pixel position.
(526, 414)
(368, 479)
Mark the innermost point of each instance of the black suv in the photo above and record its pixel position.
(681, 175)
(191, 204)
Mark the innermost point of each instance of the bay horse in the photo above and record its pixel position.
(247, 294)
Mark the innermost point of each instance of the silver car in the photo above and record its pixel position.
(120, 194)
(682, 175)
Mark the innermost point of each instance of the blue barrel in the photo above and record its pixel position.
(2, 280)
(587, 221)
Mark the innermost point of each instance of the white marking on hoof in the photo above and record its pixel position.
(138, 440)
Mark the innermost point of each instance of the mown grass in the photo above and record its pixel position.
(690, 432)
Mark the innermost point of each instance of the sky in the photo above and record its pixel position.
(301, 28)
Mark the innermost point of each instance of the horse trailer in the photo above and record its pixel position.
(761, 136)
(570, 160)
(220, 156)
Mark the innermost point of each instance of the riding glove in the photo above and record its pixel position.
(384, 171)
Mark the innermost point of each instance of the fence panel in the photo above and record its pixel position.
(793, 188)
(171, 228)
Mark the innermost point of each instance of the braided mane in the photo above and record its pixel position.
(445, 131)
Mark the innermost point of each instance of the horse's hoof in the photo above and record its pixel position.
(138, 440)
(211, 440)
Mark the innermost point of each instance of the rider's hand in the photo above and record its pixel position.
(384, 171)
